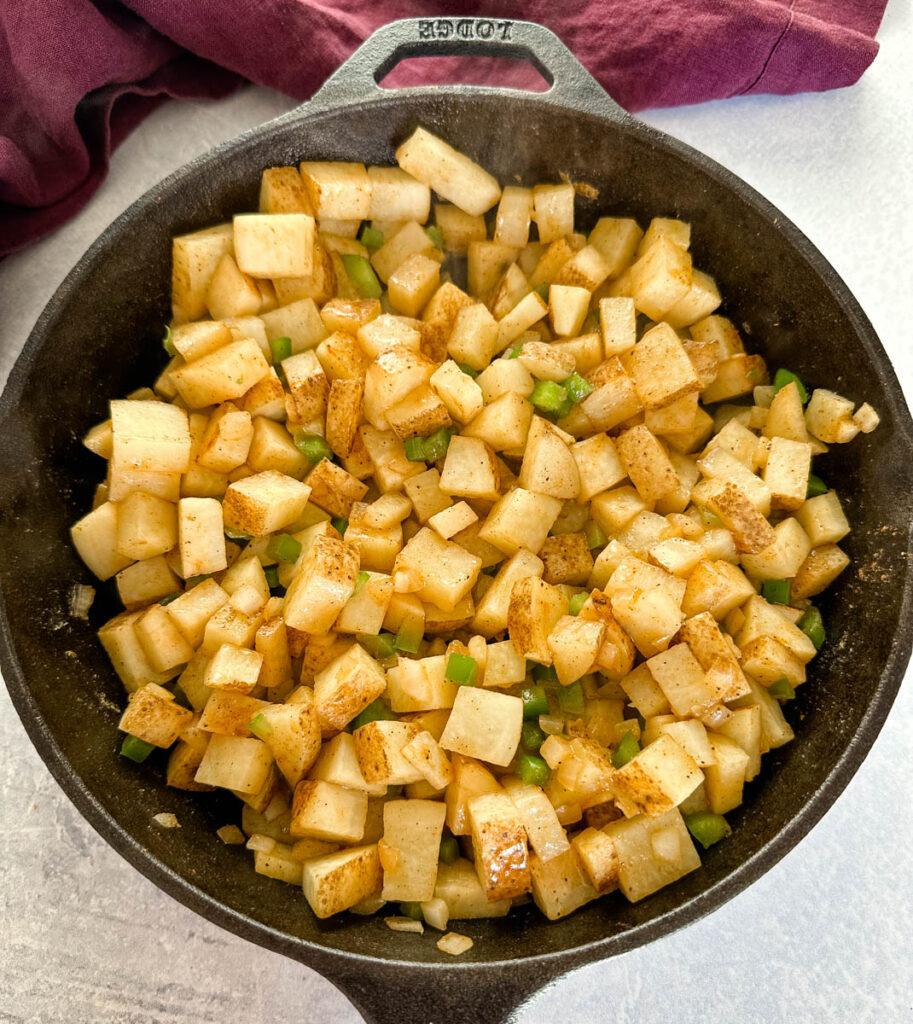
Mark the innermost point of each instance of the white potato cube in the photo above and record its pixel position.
(485, 725)
(451, 174)
(413, 829)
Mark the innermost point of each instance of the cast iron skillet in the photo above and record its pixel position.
(99, 338)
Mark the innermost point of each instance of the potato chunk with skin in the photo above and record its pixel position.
(418, 414)
(194, 259)
(322, 810)
(535, 608)
(560, 885)
(641, 871)
(392, 375)
(647, 464)
(656, 780)
(752, 532)
(379, 748)
(154, 716)
(567, 559)
(346, 687)
(458, 391)
(293, 735)
(574, 644)
(499, 846)
(274, 244)
(448, 572)
(662, 371)
(412, 828)
(599, 859)
(338, 881)
(333, 489)
(263, 503)
(307, 384)
(322, 584)
(233, 668)
(426, 755)
(484, 724)
(226, 442)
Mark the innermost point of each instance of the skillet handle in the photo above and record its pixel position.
(570, 83)
(471, 994)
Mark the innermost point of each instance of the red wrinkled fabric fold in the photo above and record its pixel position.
(76, 76)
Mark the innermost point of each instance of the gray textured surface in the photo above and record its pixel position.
(824, 936)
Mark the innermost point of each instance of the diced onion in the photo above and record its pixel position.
(436, 912)
(369, 905)
(80, 600)
(454, 943)
(264, 844)
(275, 808)
(404, 924)
(388, 856)
(231, 835)
(166, 820)
(551, 725)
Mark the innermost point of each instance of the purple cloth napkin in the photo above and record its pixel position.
(76, 76)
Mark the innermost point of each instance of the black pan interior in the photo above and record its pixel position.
(100, 338)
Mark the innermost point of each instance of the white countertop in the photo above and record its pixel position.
(824, 936)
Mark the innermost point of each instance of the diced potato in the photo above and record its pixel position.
(616, 238)
(413, 829)
(389, 331)
(503, 423)
(337, 763)
(201, 540)
(233, 668)
(338, 191)
(379, 748)
(783, 557)
(716, 586)
(597, 855)
(491, 616)
(499, 846)
(322, 584)
(263, 503)
(232, 292)
(521, 519)
(513, 217)
(426, 755)
(702, 299)
(528, 311)
(458, 391)
(392, 375)
(237, 763)
(299, 321)
(447, 571)
(146, 581)
(194, 259)
(661, 278)
(459, 887)
(819, 570)
(736, 376)
(283, 191)
(823, 519)
(598, 466)
(95, 539)
(567, 559)
(397, 196)
(681, 679)
(751, 530)
(549, 466)
(150, 435)
(222, 375)
(559, 885)
(641, 871)
(554, 211)
(346, 687)
(274, 244)
(829, 417)
(292, 732)
(647, 463)
(338, 881)
(662, 371)
(322, 810)
(724, 779)
(484, 724)
(450, 173)
(413, 283)
(660, 777)
(154, 716)
(534, 610)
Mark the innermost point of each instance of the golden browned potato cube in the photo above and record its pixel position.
(185, 759)
(751, 530)
(392, 375)
(333, 489)
(222, 375)
(413, 283)
(724, 778)
(232, 293)
(119, 638)
(491, 616)
(737, 375)
(447, 571)
(616, 238)
(263, 503)
(662, 371)
(559, 885)
(458, 391)
(598, 858)
(425, 492)
(823, 519)
(389, 331)
(681, 678)
(574, 644)
(567, 559)
(470, 470)
(338, 881)
(193, 340)
(418, 684)
(146, 581)
(549, 466)
(391, 468)
(193, 609)
(657, 779)
(418, 414)
(484, 724)
(521, 519)
(201, 538)
(226, 713)
(194, 259)
(426, 755)
(647, 463)
(322, 810)
(783, 557)
(150, 435)
(410, 239)
(528, 311)
(568, 306)
(322, 584)
(346, 687)
(95, 539)
(499, 846)
(397, 196)
(829, 417)
(585, 269)
(283, 191)
(299, 321)
(598, 465)
(716, 586)
(153, 715)
(473, 338)
(162, 642)
(379, 748)
(652, 852)
(660, 278)
(513, 217)
(702, 299)
(343, 415)
(534, 610)
(823, 565)
(411, 844)
(504, 423)
(614, 401)
(227, 440)
(337, 190)
(274, 244)
(233, 668)
(458, 228)
(554, 211)
(452, 175)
